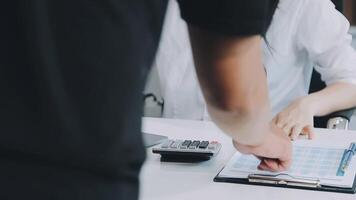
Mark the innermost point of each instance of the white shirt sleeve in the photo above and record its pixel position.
(175, 67)
(323, 33)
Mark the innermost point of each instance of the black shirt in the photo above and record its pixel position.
(71, 77)
(231, 17)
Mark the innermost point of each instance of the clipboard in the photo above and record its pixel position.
(306, 174)
(282, 182)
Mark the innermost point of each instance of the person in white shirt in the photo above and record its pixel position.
(304, 34)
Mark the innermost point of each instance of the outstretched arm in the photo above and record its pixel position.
(297, 118)
(234, 85)
(233, 82)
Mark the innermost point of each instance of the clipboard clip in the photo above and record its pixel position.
(284, 179)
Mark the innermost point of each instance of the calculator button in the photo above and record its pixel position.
(203, 145)
(185, 144)
(167, 144)
(194, 144)
(175, 144)
(212, 146)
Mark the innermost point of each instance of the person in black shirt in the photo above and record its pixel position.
(71, 76)
(226, 40)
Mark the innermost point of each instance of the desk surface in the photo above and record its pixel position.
(170, 181)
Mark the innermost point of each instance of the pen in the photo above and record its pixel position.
(346, 159)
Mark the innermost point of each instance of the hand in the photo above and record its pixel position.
(275, 152)
(296, 119)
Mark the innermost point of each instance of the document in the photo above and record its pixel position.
(311, 161)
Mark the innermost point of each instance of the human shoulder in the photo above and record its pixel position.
(302, 7)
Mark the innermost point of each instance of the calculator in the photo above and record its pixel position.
(187, 150)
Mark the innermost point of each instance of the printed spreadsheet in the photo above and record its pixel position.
(307, 161)
(311, 160)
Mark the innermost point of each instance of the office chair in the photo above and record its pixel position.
(337, 120)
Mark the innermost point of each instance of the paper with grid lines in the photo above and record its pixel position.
(308, 162)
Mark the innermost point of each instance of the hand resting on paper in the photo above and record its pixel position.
(275, 152)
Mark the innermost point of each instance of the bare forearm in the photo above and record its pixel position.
(234, 84)
(247, 128)
(335, 97)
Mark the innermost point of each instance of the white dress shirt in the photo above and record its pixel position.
(303, 34)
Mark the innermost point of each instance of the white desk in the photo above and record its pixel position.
(170, 181)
